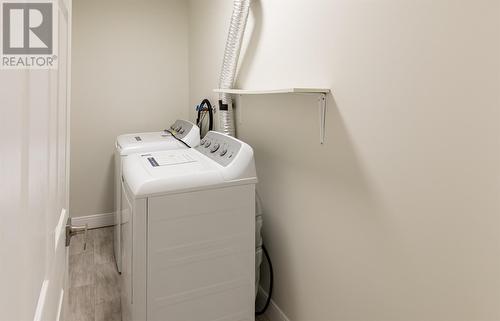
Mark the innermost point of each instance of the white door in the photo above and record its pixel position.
(34, 167)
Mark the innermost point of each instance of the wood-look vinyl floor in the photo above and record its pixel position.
(94, 287)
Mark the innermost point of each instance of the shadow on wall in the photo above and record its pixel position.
(316, 198)
(109, 185)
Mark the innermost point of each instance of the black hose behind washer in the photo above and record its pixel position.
(271, 282)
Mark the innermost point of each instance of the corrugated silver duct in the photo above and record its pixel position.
(230, 63)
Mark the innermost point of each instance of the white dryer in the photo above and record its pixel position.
(189, 233)
(181, 135)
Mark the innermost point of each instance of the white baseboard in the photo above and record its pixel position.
(273, 312)
(95, 221)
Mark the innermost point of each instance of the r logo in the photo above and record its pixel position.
(27, 29)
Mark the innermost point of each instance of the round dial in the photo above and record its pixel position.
(223, 152)
(214, 148)
(207, 143)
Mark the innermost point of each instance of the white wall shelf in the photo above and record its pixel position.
(321, 92)
(274, 91)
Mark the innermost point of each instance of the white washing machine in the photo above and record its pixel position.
(189, 233)
(185, 133)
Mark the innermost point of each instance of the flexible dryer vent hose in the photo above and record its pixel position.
(227, 79)
(230, 64)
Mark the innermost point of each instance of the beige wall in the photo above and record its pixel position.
(130, 74)
(397, 216)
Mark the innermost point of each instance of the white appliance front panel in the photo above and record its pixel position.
(194, 249)
(201, 253)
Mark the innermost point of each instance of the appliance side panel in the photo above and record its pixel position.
(126, 258)
(139, 259)
(117, 210)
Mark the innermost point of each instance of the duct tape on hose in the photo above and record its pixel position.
(226, 122)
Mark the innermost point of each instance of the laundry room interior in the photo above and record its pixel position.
(255, 160)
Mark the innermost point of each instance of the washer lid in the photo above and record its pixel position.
(182, 170)
(146, 142)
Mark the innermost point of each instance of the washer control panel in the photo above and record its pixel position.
(219, 147)
(180, 129)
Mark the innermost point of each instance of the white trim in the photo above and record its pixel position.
(42, 298)
(60, 230)
(60, 306)
(273, 313)
(95, 221)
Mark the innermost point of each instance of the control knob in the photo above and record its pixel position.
(214, 148)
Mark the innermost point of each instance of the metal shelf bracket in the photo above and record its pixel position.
(322, 117)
